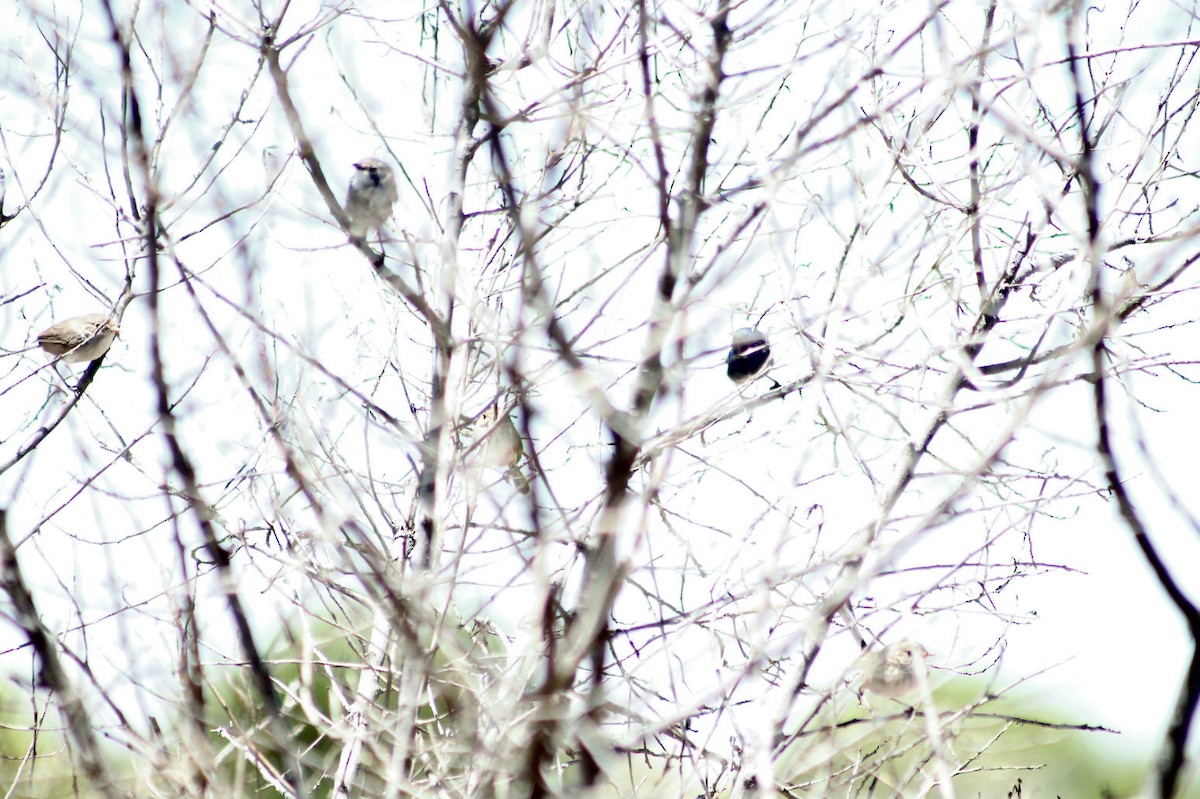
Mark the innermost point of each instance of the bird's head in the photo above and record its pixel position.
(375, 171)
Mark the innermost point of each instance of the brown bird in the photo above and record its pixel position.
(371, 196)
(80, 338)
(894, 670)
(502, 449)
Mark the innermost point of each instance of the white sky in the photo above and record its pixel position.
(1116, 648)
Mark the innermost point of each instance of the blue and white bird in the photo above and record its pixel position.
(749, 357)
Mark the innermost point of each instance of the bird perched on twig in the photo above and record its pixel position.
(80, 338)
(371, 196)
(749, 357)
(894, 670)
(502, 448)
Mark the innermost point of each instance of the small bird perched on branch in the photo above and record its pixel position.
(502, 448)
(894, 670)
(749, 357)
(371, 196)
(80, 338)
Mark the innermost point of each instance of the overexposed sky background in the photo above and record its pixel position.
(761, 497)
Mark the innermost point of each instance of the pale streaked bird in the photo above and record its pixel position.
(371, 196)
(749, 357)
(894, 670)
(503, 448)
(80, 338)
